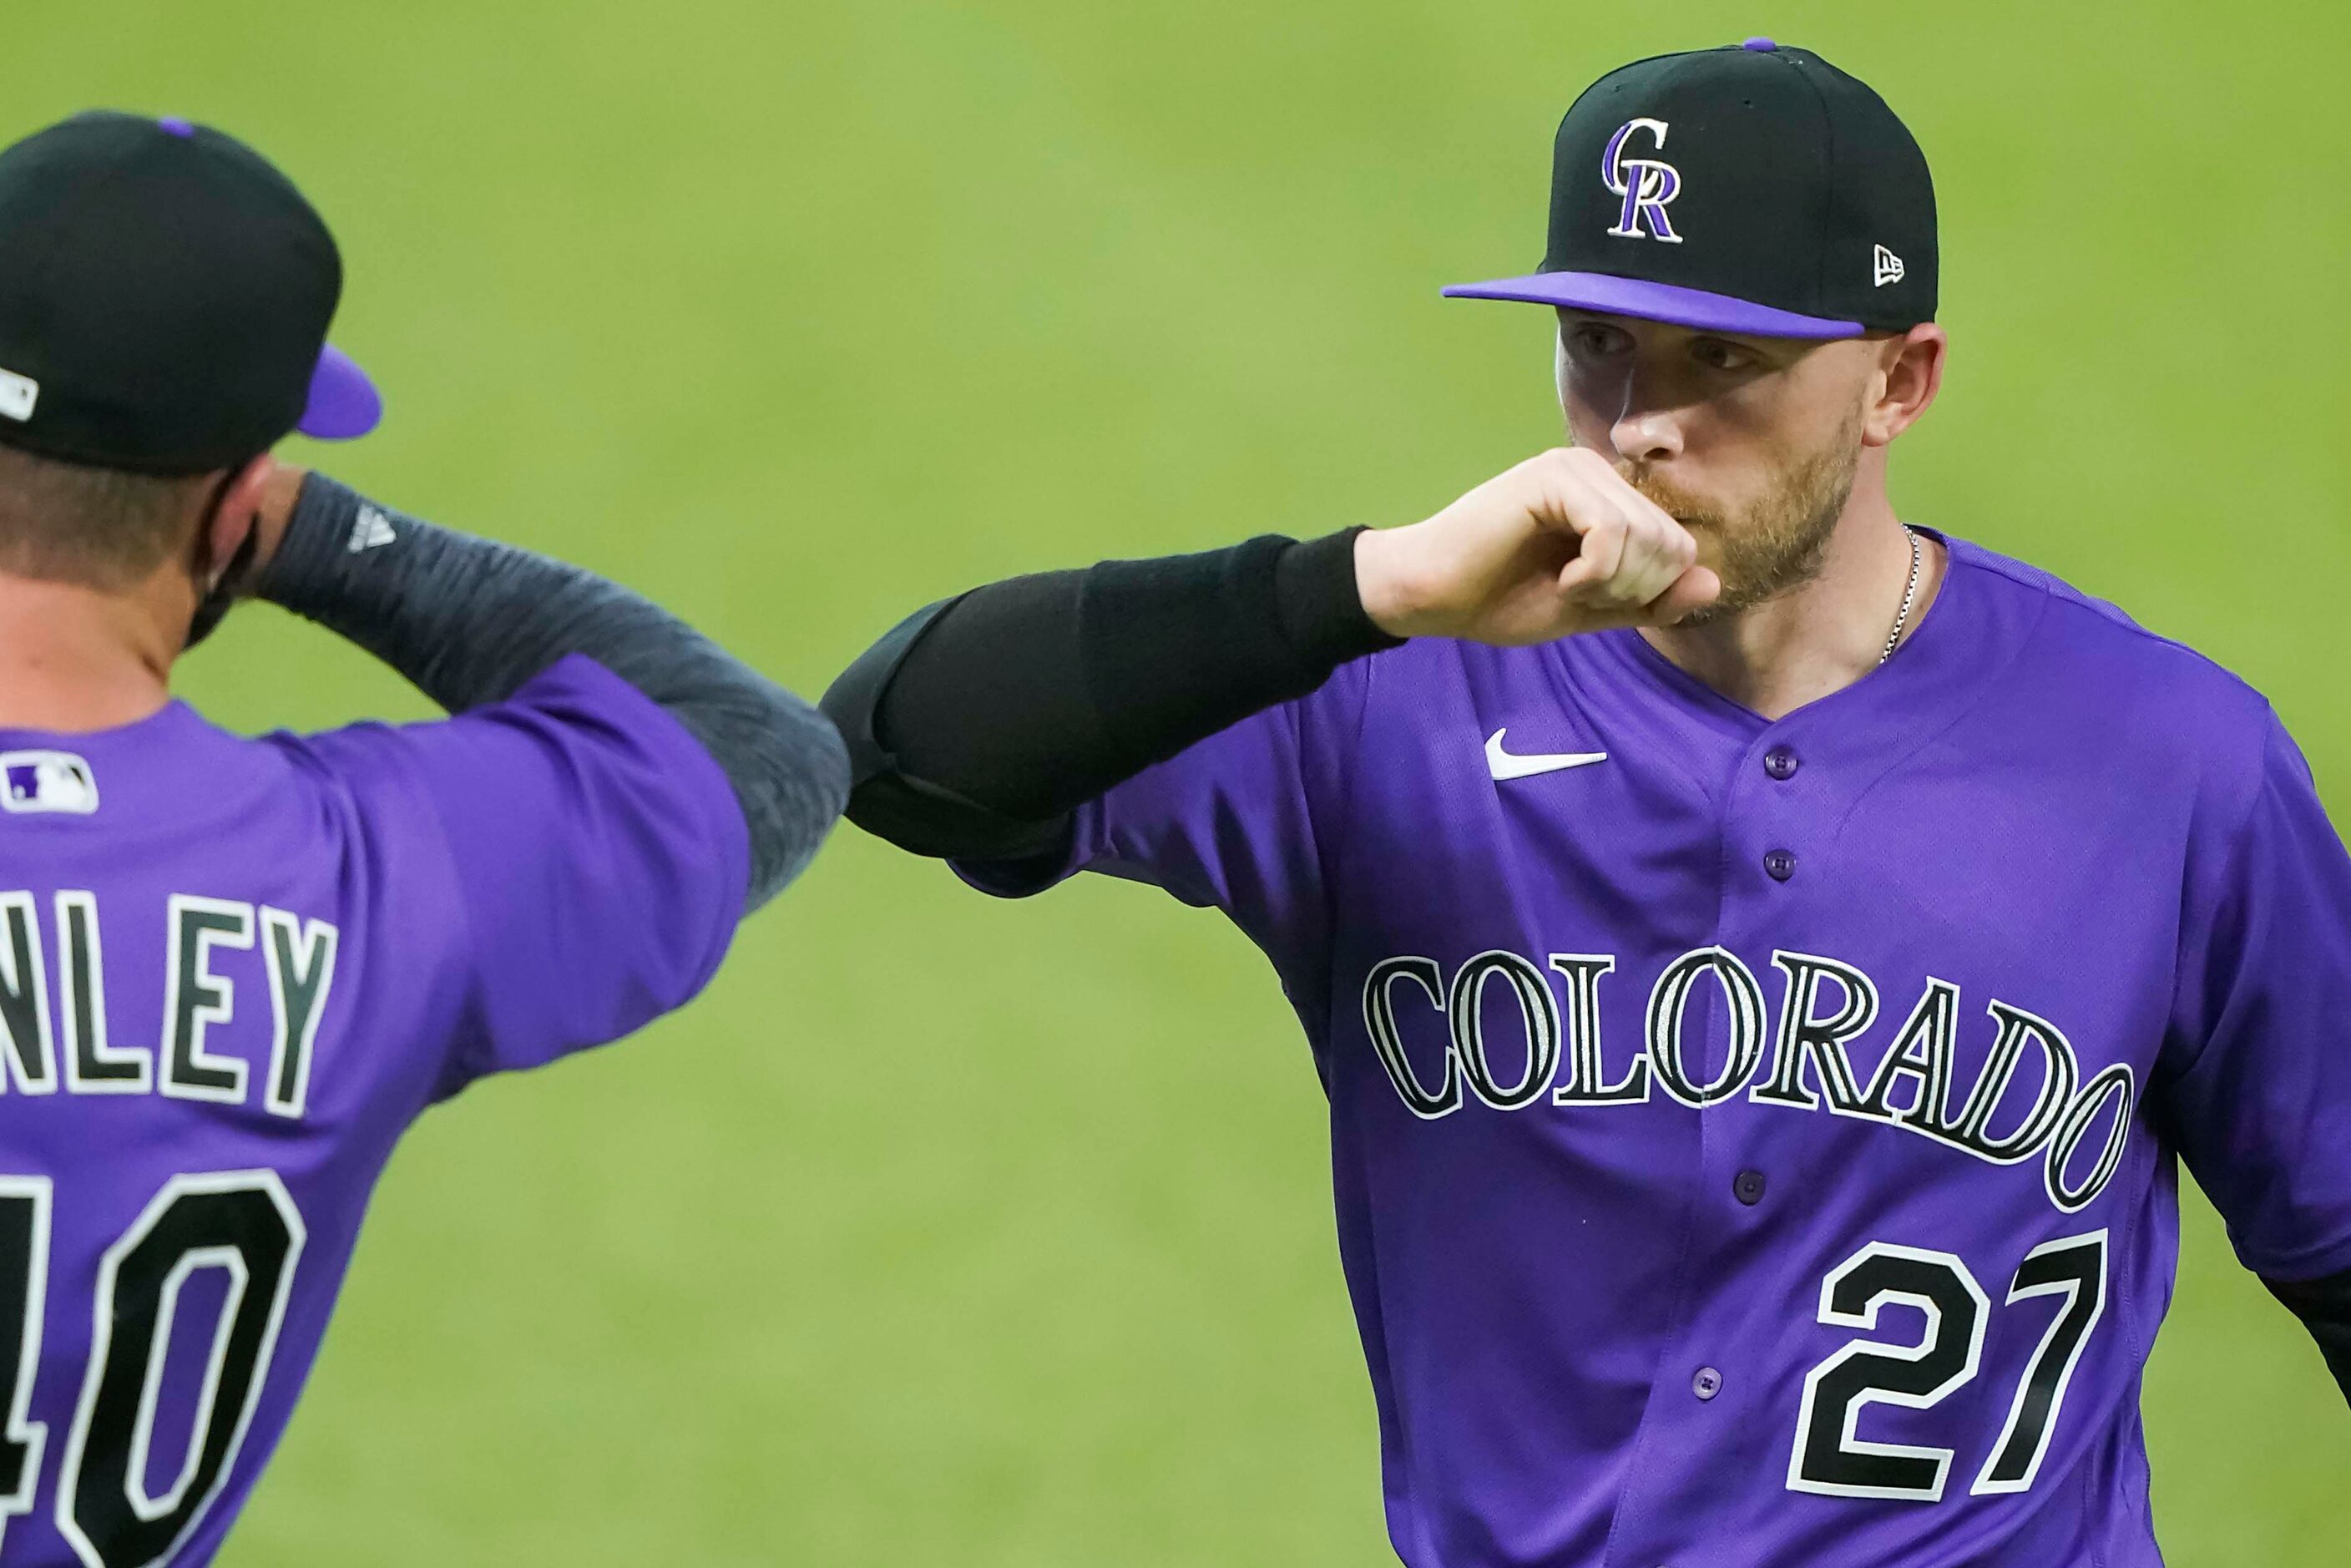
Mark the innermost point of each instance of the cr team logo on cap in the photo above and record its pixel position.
(1648, 184)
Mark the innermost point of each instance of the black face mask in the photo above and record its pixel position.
(215, 606)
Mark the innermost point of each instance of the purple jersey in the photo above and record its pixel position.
(1754, 1143)
(232, 973)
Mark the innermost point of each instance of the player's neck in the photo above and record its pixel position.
(75, 659)
(1820, 637)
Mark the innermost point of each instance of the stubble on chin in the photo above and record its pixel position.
(1775, 544)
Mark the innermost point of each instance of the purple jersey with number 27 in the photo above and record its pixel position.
(1755, 1144)
(232, 973)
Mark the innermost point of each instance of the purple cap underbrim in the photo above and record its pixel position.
(1655, 302)
(344, 402)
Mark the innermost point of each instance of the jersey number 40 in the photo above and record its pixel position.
(241, 1223)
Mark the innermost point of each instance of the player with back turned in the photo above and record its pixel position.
(233, 971)
(1766, 961)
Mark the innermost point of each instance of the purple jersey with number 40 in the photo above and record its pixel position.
(232, 972)
(1755, 1144)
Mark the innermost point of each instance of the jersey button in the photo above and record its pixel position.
(1781, 763)
(1748, 1187)
(1781, 864)
(1706, 1383)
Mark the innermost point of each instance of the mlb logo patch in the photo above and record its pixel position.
(46, 781)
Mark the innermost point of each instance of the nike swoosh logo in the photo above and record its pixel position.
(1503, 765)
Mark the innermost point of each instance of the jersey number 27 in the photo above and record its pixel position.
(1829, 1458)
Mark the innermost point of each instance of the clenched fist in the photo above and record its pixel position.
(1558, 544)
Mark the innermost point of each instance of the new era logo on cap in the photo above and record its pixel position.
(17, 396)
(46, 781)
(1889, 267)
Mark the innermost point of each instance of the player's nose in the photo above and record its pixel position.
(1646, 436)
(1647, 427)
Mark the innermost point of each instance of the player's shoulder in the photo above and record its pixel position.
(575, 758)
(2074, 627)
(576, 696)
(2074, 650)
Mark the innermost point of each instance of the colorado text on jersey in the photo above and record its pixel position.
(1910, 1087)
(297, 955)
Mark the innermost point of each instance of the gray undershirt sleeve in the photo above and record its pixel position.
(469, 621)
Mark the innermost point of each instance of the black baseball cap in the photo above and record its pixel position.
(1753, 188)
(164, 296)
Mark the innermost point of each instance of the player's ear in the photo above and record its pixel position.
(224, 534)
(227, 539)
(1909, 374)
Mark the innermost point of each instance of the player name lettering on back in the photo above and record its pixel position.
(1496, 1031)
(44, 1051)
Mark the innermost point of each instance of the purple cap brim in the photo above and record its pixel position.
(1655, 302)
(344, 402)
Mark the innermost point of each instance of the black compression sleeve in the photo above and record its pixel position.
(2324, 1308)
(974, 726)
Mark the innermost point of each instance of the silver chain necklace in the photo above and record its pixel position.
(1909, 593)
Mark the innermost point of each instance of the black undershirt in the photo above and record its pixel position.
(2324, 1308)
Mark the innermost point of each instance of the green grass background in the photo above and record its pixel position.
(944, 1231)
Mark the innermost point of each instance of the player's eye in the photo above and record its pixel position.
(1594, 340)
(1720, 354)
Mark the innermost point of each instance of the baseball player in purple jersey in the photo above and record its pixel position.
(233, 971)
(1766, 961)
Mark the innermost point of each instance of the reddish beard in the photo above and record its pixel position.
(1776, 542)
